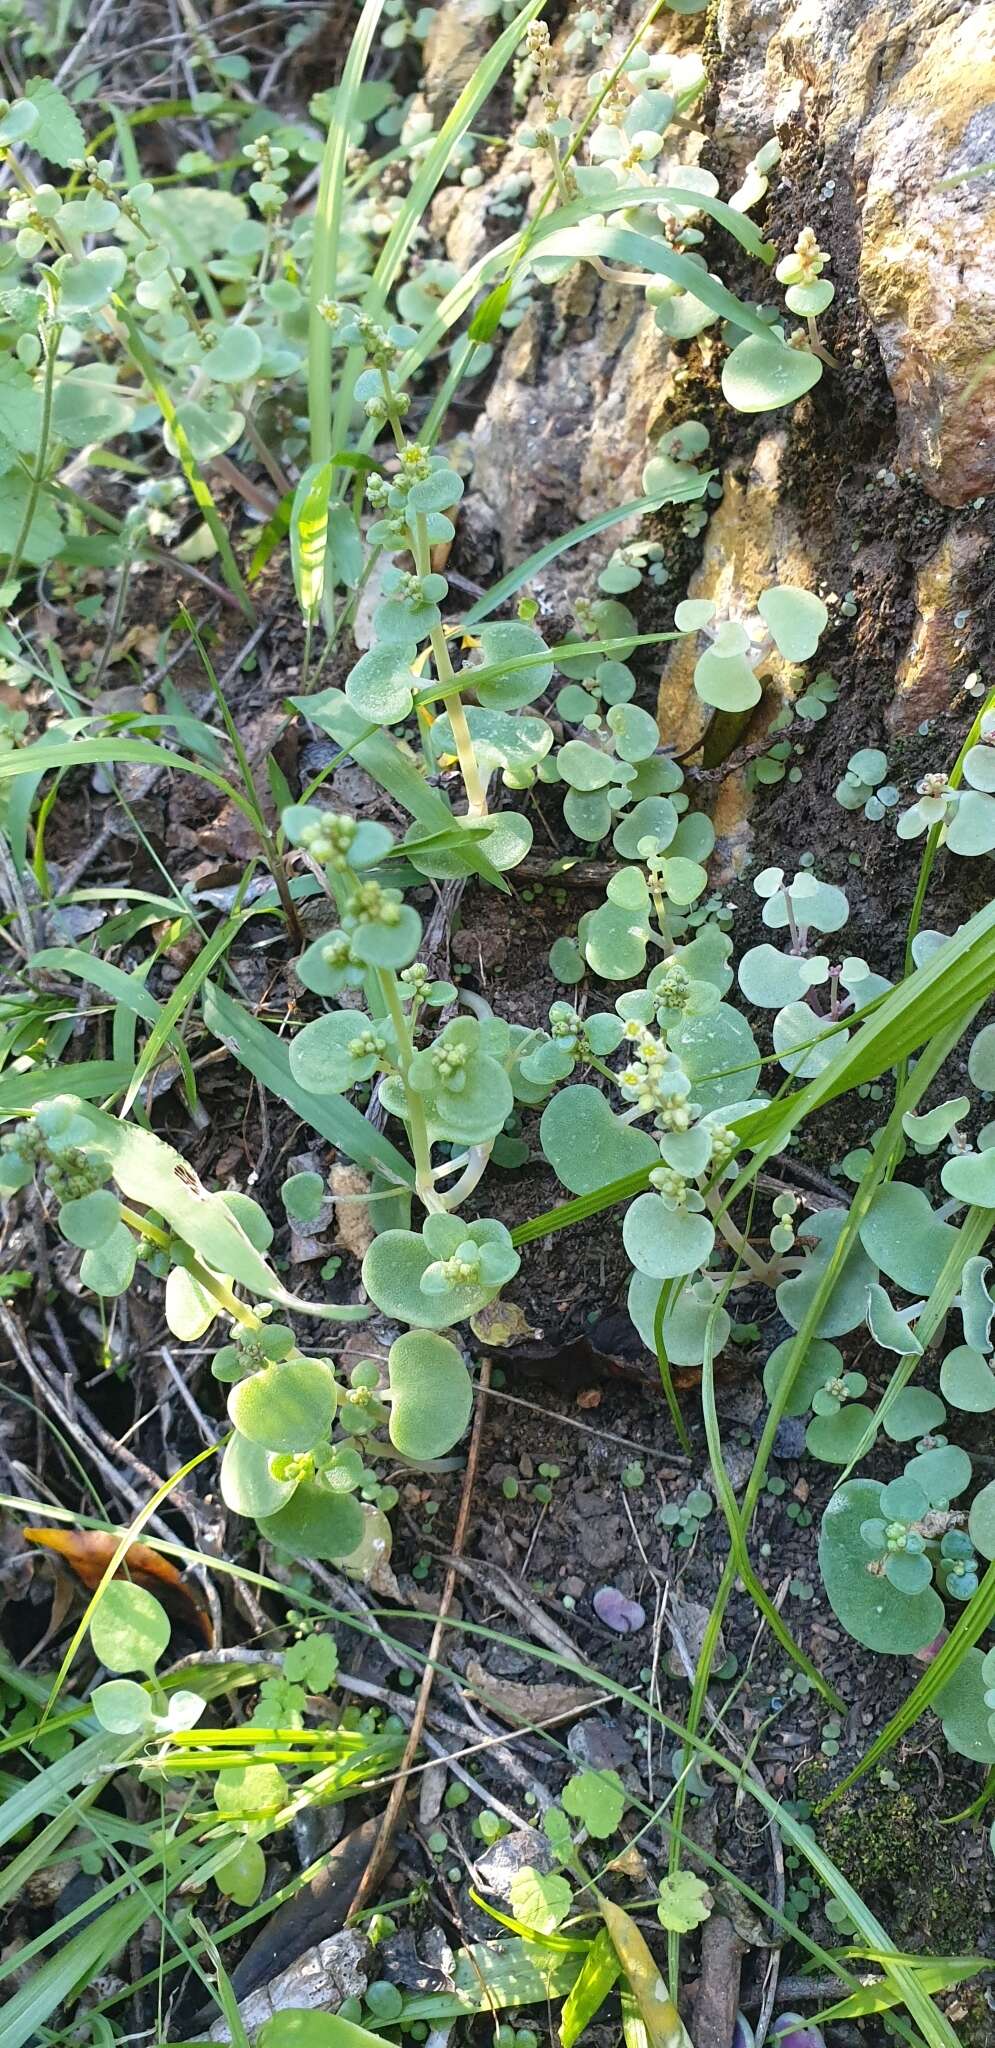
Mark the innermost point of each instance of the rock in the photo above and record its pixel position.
(600, 1745)
(927, 263)
(459, 36)
(319, 1981)
(752, 541)
(900, 96)
(935, 666)
(522, 1849)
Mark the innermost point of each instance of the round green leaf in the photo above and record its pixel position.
(848, 1299)
(392, 1275)
(905, 1239)
(981, 1521)
(795, 618)
(821, 1362)
(942, 1473)
(247, 1484)
(967, 1381)
(235, 356)
(970, 1176)
(87, 1221)
(243, 1874)
(289, 1406)
(316, 1522)
(834, 1438)
(431, 1395)
(666, 1243)
(871, 1609)
(760, 375)
(381, 685)
(685, 1325)
(719, 1054)
(129, 1630)
(971, 830)
(587, 1145)
(727, 682)
(964, 1712)
(110, 1268)
(122, 1707)
(510, 640)
(914, 1413)
(320, 1056)
(981, 1060)
(86, 282)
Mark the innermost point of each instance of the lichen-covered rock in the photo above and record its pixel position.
(565, 430)
(753, 541)
(935, 667)
(901, 98)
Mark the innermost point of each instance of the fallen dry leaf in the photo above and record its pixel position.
(348, 1186)
(529, 1702)
(88, 1553)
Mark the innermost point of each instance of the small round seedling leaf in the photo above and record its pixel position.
(981, 1521)
(235, 356)
(110, 1268)
(129, 1630)
(302, 1196)
(914, 1413)
(848, 1299)
(942, 1473)
(190, 1309)
(288, 1407)
(431, 1395)
(821, 1362)
(726, 682)
(964, 1711)
(970, 1176)
(566, 961)
(905, 1238)
(981, 1060)
(243, 1874)
(392, 1275)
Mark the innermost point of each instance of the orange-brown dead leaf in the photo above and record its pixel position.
(88, 1553)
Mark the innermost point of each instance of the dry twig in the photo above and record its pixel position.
(393, 1808)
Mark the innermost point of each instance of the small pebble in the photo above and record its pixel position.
(618, 1613)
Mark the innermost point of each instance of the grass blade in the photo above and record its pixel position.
(266, 1058)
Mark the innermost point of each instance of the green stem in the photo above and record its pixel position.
(476, 794)
(420, 1145)
(38, 473)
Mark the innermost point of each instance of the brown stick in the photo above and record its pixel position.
(396, 1800)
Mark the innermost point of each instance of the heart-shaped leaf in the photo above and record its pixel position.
(761, 375)
(587, 1145)
(666, 1243)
